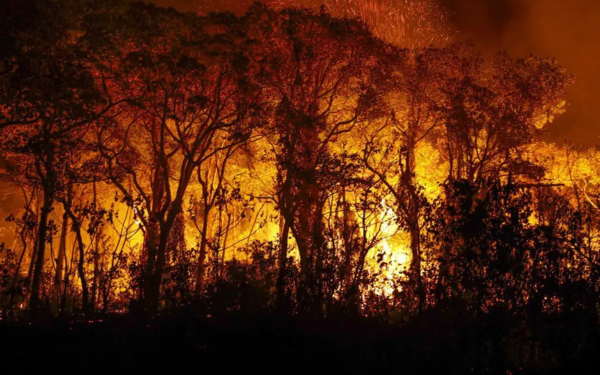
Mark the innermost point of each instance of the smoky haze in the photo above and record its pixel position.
(565, 29)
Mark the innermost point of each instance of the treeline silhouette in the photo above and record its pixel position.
(270, 169)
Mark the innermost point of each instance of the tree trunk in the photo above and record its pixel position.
(415, 264)
(96, 275)
(225, 238)
(81, 269)
(15, 278)
(151, 246)
(155, 273)
(414, 208)
(202, 255)
(29, 278)
(96, 255)
(34, 303)
(60, 259)
(283, 252)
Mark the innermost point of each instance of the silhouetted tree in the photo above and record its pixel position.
(321, 75)
(188, 99)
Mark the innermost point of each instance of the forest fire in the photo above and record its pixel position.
(355, 162)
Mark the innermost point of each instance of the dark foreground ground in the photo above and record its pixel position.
(243, 345)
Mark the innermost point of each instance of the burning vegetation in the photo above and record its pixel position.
(295, 162)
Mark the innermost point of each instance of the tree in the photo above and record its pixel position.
(189, 98)
(492, 108)
(389, 147)
(321, 76)
(49, 102)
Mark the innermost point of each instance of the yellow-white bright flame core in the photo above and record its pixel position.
(394, 253)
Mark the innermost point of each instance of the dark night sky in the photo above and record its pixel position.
(565, 29)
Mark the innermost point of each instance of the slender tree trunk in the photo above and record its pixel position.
(60, 261)
(76, 225)
(15, 278)
(96, 256)
(32, 257)
(29, 278)
(85, 307)
(283, 253)
(225, 238)
(202, 255)
(348, 231)
(414, 208)
(95, 277)
(66, 280)
(415, 265)
(34, 303)
(61, 258)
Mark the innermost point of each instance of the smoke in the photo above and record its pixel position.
(565, 30)
(235, 6)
